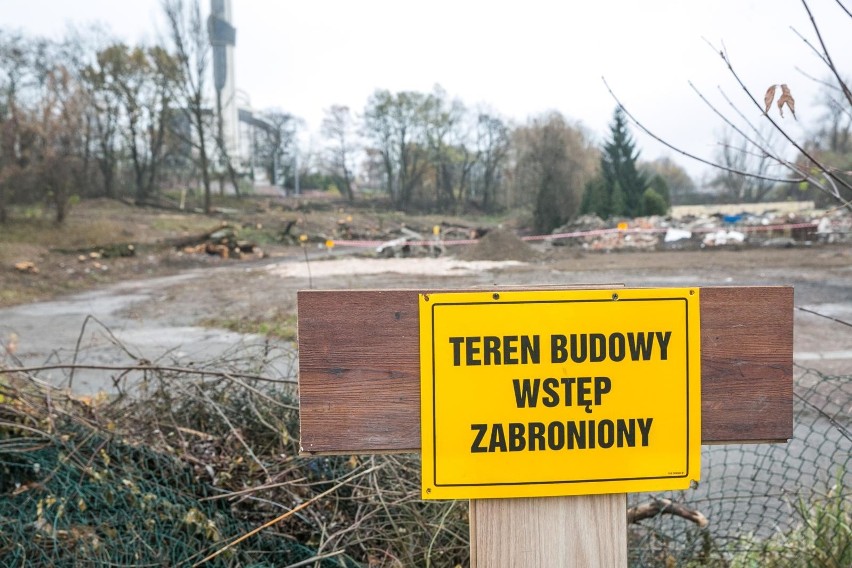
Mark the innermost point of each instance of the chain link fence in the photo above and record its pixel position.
(767, 504)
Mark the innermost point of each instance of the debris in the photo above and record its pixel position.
(835, 227)
(395, 247)
(26, 267)
(768, 224)
(399, 246)
(674, 235)
(222, 242)
(721, 238)
(583, 223)
(217, 250)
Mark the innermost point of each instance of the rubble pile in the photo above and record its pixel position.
(779, 224)
(769, 228)
(835, 227)
(593, 233)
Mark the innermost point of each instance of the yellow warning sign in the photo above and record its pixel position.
(569, 392)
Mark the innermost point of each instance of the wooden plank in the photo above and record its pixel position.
(359, 382)
(359, 371)
(586, 531)
(746, 364)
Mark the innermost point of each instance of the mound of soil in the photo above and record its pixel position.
(499, 244)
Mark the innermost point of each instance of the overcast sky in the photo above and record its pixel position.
(520, 58)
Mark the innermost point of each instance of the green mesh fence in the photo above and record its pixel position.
(84, 499)
(147, 475)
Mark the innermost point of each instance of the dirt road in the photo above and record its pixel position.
(159, 319)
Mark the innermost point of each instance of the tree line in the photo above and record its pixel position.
(428, 151)
(91, 116)
(87, 116)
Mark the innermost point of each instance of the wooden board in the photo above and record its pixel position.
(586, 531)
(359, 371)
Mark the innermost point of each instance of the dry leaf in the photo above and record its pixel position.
(786, 98)
(769, 96)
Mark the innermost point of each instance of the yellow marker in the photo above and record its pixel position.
(622, 226)
(329, 244)
(303, 238)
(436, 230)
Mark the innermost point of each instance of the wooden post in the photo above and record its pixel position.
(586, 530)
(359, 382)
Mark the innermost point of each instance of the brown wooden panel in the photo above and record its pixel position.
(359, 381)
(746, 364)
(359, 373)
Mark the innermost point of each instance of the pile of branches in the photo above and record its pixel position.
(199, 465)
(84, 482)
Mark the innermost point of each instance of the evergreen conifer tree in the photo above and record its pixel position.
(595, 200)
(618, 165)
(622, 184)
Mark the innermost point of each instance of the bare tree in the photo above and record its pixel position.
(15, 70)
(450, 156)
(60, 117)
(493, 142)
(737, 155)
(43, 129)
(808, 168)
(190, 45)
(105, 113)
(680, 185)
(554, 161)
(395, 125)
(339, 129)
(834, 133)
(274, 144)
(131, 92)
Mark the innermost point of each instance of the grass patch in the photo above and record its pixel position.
(279, 325)
(13, 297)
(175, 223)
(821, 536)
(75, 233)
(259, 234)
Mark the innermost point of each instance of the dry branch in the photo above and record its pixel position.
(656, 507)
(143, 367)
